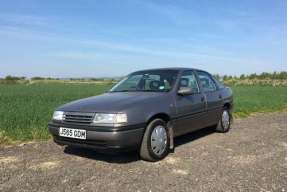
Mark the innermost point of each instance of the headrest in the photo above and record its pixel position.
(184, 82)
(155, 85)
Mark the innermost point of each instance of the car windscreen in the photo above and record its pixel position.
(149, 81)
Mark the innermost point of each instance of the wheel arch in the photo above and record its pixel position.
(163, 116)
(227, 105)
(167, 119)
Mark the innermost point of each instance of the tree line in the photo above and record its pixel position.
(265, 75)
(19, 78)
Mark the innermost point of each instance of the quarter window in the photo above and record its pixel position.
(206, 82)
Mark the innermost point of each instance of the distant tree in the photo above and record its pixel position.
(252, 76)
(282, 75)
(225, 77)
(216, 76)
(14, 78)
(264, 75)
(242, 76)
(96, 79)
(37, 78)
(275, 75)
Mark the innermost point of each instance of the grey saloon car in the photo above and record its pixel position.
(145, 112)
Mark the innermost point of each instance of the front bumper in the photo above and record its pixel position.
(105, 138)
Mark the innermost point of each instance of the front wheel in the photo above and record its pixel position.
(155, 143)
(224, 123)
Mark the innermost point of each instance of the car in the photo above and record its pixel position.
(145, 111)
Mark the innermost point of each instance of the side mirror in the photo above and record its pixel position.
(184, 91)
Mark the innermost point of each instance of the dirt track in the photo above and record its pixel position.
(251, 157)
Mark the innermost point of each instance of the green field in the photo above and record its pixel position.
(25, 110)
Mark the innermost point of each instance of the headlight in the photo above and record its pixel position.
(58, 115)
(109, 119)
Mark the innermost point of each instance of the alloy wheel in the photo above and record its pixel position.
(158, 140)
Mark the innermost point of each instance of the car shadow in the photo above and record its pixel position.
(116, 157)
(184, 139)
(128, 157)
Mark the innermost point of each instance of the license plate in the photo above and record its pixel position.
(72, 133)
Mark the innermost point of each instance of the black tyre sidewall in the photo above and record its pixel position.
(151, 127)
(223, 129)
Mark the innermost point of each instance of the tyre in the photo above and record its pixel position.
(224, 123)
(155, 142)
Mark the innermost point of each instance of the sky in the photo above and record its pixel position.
(103, 38)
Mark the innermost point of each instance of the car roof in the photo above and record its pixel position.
(170, 68)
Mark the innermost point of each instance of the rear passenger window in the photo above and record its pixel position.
(206, 82)
(188, 80)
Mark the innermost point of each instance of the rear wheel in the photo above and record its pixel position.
(224, 123)
(155, 143)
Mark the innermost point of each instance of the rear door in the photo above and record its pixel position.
(191, 109)
(213, 97)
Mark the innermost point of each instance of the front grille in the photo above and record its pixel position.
(78, 118)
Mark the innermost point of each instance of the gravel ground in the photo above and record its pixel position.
(251, 157)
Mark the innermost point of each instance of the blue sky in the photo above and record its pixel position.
(93, 38)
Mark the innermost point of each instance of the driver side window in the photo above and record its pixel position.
(188, 79)
(206, 82)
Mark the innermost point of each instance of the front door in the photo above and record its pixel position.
(213, 97)
(191, 109)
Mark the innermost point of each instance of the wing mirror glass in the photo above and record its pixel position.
(185, 91)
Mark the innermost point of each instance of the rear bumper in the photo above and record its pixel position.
(126, 138)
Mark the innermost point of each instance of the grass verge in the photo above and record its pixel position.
(25, 110)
